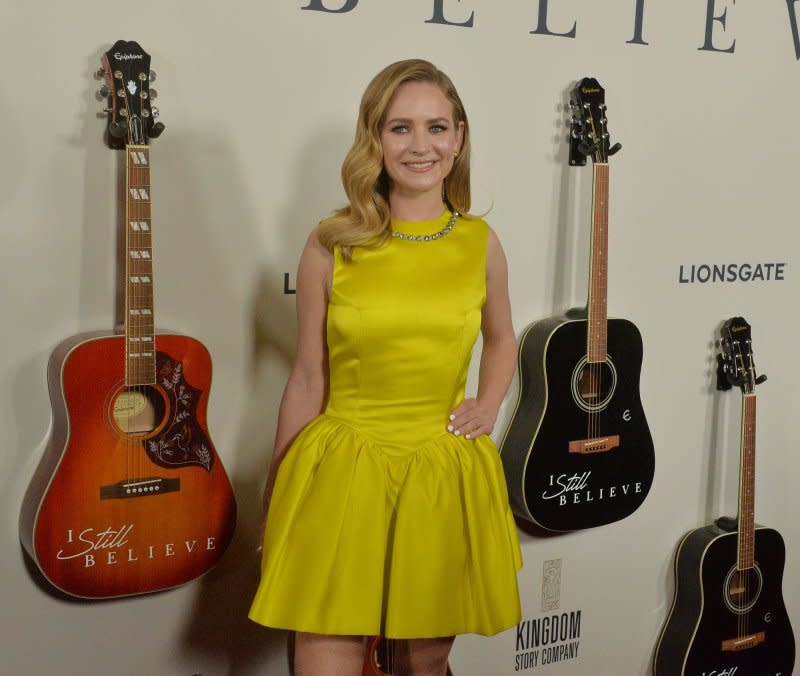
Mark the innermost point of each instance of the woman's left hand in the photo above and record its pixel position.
(470, 419)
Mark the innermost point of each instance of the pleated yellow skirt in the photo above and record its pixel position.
(408, 543)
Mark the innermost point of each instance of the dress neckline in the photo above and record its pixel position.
(426, 227)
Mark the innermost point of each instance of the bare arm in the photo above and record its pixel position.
(474, 417)
(306, 388)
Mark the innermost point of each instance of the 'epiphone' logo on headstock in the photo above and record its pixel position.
(127, 57)
(736, 329)
(590, 90)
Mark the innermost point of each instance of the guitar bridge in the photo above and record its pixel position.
(139, 488)
(594, 445)
(745, 642)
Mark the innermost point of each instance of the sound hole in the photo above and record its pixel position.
(742, 589)
(593, 385)
(138, 411)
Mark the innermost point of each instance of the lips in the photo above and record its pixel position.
(419, 166)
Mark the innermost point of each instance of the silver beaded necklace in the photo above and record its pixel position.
(428, 238)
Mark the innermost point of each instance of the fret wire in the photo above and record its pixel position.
(747, 484)
(597, 338)
(140, 337)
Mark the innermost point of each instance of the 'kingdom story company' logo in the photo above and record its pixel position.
(547, 640)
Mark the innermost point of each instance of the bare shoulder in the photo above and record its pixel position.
(316, 263)
(495, 256)
(316, 249)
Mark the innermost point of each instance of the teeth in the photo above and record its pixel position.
(419, 165)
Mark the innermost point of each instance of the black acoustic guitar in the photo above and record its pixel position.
(578, 451)
(728, 616)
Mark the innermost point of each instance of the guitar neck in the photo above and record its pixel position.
(597, 335)
(746, 541)
(140, 361)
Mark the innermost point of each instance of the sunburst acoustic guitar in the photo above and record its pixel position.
(130, 496)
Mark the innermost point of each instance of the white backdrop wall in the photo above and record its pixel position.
(260, 100)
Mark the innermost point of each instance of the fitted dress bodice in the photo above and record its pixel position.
(402, 322)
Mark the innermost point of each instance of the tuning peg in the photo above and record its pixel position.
(153, 93)
(722, 369)
(152, 76)
(760, 379)
(100, 73)
(157, 129)
(613, 150)
(118, 129)
(103, 92)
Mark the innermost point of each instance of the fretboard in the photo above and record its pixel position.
(598, 268)
(140, 362)
(747, 473)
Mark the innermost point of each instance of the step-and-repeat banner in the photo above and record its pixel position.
(259, 101)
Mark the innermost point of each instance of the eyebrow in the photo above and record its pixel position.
(406, 120)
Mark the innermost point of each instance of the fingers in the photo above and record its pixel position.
(470, 420)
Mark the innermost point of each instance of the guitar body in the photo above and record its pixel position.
(130, 496)
(691, 642)
(549, 485)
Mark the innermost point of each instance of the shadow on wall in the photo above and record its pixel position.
(566, 270)
(218, 625)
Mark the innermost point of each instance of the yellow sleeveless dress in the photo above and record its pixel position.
(382, 521)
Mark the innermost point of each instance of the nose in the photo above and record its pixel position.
(419, 144)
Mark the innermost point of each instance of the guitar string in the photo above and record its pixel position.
(749, 543)
(742, 525)
(745, 563)
(594, 367)
(130, 376)
(595, 383)
(749, 445)
(739, 580)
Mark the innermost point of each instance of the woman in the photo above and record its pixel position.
(389, 514)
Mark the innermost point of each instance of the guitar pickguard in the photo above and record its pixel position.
(181, 441)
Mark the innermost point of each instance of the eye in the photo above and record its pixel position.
(399, 129)
(438, 129)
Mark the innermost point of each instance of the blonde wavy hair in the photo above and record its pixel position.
(366, 220)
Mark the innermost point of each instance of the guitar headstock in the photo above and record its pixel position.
(735, 364)
(132, 118)
(588, 133)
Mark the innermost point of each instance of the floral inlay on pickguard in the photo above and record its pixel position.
(182, 441)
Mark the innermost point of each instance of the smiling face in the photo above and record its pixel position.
(418, 139)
